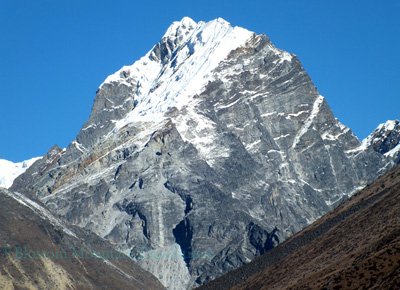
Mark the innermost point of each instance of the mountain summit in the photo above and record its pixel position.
(203, 154)
(385, 139)
(166, 79)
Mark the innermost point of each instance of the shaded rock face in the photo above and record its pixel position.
(355, 246)
(195, 153)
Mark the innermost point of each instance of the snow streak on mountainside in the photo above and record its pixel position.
(196, 152)
(40, 211)
(10, 170)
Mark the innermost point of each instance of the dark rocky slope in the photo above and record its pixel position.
(37, 251)
(357, 246)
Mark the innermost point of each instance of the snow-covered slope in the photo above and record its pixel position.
(10, 170)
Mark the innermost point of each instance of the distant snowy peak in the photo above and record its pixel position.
(10, 170)
(385, 139)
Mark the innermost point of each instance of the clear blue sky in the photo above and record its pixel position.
(55, 53)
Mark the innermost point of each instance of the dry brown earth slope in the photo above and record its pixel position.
(357, 246)
(37, 251)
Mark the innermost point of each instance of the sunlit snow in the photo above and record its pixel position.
(10, 170)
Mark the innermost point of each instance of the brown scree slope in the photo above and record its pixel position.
(36, 254)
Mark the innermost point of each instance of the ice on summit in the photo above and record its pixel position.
(180, 27)
(175, 70)
(179, 67)
(198, 50)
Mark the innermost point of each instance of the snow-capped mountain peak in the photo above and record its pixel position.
(178, 28)
(390, 125)
(186, 54)
(385, 138)
(10, 170)
(214, 123)
(175, 70)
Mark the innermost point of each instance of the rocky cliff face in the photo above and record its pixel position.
(195, 153)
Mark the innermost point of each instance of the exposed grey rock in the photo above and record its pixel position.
(195, 154)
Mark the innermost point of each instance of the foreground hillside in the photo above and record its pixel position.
(37, 251)
(357, 246)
